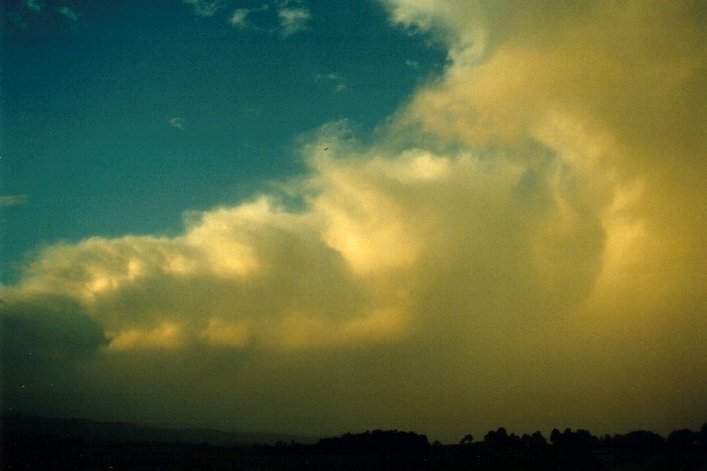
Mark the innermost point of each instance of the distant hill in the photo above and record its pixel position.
(127, 432)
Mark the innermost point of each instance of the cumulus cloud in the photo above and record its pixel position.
(523, 244)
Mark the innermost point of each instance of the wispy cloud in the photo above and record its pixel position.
(239, 18)
(32, 5)
(285, 18)
(177, 122)
(251, 18)
(334, 80)
(293, 20)
(206, 7)
(12, 200)
(68, 13)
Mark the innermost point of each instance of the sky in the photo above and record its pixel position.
(320, 217)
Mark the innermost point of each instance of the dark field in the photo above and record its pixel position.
(28, 446)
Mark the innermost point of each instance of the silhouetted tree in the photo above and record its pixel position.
(24, 447)
(537, 440)
(497, 439)
(573, 448)
(683, 439)
(702, 438)
(378, 441)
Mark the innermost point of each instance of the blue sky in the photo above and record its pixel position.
(117, 119)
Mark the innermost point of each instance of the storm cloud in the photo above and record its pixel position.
(522, 244)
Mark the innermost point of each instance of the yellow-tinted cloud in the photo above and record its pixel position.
(229, 334)
(165, 336)
(12, 200)
(523, 245)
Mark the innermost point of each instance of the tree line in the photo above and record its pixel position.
(378, 449)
